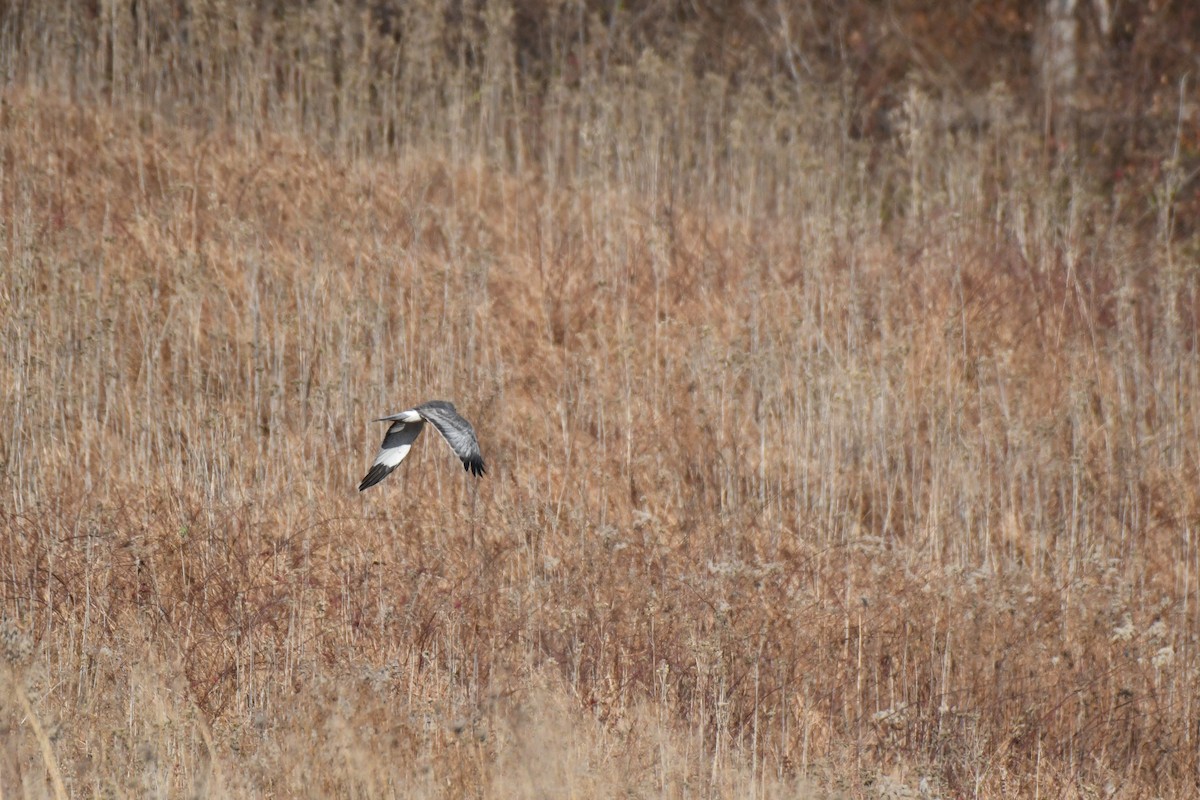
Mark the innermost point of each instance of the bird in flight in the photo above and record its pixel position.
(406, 427)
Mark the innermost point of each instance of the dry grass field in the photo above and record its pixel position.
(819, 465)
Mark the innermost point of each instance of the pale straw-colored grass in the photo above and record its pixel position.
(816, 465)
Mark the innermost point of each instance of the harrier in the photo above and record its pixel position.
(406, 427)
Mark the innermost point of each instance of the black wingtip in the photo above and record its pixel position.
(377, 473)
(474, 466)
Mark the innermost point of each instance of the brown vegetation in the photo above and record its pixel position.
(824, 458)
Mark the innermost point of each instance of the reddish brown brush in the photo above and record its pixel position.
(802, 479)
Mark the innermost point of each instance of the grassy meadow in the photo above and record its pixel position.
(819, 464)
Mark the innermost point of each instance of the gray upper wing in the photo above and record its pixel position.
(457, 432)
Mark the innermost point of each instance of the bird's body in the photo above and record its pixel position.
(406, 427)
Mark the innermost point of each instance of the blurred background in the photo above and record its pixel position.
(835, 365)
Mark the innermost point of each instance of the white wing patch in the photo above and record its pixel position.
(398, 441)
(392, 456)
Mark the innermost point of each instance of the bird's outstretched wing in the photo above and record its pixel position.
(395, 447)
(457, 432)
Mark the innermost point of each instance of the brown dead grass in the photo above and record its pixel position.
(803, 478)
